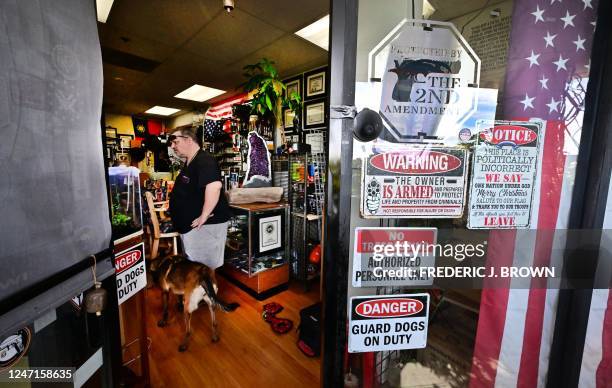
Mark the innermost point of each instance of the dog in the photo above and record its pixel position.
(196, 283)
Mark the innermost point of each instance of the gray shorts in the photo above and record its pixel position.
(207, 244)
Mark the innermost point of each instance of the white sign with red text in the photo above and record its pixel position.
(411, 181)
(388, 322)
(130, 272)
(393, 256)
(504, 175)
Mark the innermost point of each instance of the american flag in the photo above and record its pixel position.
(546, 78)
(223, 109)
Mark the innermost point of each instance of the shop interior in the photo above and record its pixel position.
(191, 58)
(158, 55)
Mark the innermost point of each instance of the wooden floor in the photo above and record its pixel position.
(248, 354)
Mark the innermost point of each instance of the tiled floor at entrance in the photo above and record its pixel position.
(249, 353)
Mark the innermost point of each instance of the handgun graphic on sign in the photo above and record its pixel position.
(409, 70)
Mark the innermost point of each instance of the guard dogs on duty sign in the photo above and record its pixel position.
(388, 322)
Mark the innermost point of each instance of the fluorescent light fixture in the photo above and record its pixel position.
(162, 110)
(103, 8)
(199, 93)
(317, 32)
(428, 9)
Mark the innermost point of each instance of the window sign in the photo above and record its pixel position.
(410, 181)
(388, 322)
(430, 73)
(504, 175)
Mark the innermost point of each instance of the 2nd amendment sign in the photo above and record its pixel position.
(388, 322)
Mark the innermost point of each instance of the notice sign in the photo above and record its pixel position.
(388, 322)
(406, 181)
(393, 256)
(504, 174)
(131, 272)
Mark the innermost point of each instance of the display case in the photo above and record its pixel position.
(257, 248)
(306, 199)
(125, 199)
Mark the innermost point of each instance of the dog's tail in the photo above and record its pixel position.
(210, 290)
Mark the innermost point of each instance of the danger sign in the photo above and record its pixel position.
(388, 322)
(406, 181)
(130, 272)
(393, 256)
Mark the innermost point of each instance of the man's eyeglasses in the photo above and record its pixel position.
(172, 138)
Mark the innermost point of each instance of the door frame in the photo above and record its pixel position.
(587, 207)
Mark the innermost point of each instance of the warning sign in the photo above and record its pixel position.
(407, 181)
(388, 322)
(504, 174)
(131, 272)
(393, 256)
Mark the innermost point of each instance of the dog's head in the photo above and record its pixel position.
(160, 265)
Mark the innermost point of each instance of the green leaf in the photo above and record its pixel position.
(278, 87)
(268, 102)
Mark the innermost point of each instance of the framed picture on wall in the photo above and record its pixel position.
(293, 85)
(288, 116)
(123, 158)
(111, 133)
(315, 114)
(315, 83)
(124, 141)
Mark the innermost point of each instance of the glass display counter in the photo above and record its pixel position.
(256, 251)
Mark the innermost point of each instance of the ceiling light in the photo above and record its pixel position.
(103, 8)
(162, 110)
(228, 5)
(317, 32)
(199, 93)
(428, 9)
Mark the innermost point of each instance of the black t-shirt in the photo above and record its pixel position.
(187, 197)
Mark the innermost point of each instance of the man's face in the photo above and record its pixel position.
(179, 144)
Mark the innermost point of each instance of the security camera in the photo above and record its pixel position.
(228, 5)
(367, 125)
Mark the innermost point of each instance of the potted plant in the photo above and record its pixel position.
(264, 80)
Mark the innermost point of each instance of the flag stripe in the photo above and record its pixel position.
(493, 306)
(223, 109)
(604, 369)
(550, 195)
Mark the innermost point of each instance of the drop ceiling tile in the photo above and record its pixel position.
(231, 36)
(168, 22)
(289, 16)
(289, 53)
(126, 42)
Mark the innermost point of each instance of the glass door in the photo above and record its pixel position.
(454, 139)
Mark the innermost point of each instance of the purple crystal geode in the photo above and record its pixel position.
(258, 160)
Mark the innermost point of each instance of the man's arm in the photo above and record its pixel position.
(212, 192)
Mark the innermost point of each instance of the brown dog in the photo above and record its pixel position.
(195, 282)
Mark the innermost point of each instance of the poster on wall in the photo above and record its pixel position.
(393, 256)
(388, 322)
(269, 233)
(430, 73)
(504, 175)
(410, 181)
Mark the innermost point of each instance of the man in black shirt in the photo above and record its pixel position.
(198, 205)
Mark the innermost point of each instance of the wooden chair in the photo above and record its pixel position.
(156, 235)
